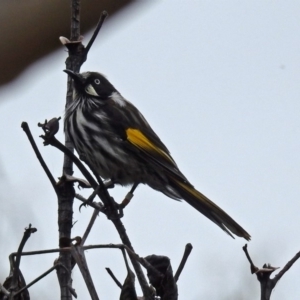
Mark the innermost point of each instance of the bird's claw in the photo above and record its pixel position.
(90, 199)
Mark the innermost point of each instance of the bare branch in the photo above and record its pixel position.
(263, 275)
(142, 261)
(285, 268)
(128, 291)
(187, 251)
(98, 27)
(57, 144)
(67, 249)
(114, 277)
(26, 236)
(66, 197)
(89, 227)
(138, 270)
(38, 278)
(78, 255)
(25, 127)
(253, 268)
(75, 22)
(96, 205)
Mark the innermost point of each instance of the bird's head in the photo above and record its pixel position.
(91, 85)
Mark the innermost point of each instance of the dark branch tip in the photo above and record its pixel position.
(30, 229)
(24, 125)
(189, 246)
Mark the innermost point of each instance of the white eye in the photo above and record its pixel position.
(97, 81)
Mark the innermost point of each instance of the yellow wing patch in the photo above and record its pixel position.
(137, 138)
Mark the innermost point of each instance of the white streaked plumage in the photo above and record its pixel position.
(118, 99)
(81, 121)
(102, 116)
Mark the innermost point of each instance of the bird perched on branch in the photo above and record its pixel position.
(117, 141)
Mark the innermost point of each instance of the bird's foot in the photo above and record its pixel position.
(117, 211)
(91, 198)
(129, 196)
(126, 200)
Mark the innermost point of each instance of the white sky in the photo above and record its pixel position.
(219, 82)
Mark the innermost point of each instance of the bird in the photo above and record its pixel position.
(118, 142)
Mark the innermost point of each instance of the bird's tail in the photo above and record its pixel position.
(209, 209)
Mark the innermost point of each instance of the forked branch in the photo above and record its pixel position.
(267, 284)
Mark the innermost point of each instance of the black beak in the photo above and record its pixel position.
(78, 79)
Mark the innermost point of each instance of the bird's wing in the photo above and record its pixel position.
(142, 137)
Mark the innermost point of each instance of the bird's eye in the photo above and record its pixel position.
(97, 81)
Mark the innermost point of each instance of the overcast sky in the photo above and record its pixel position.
(219, 83)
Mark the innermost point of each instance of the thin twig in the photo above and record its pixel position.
(252, 266)
(26, 236)
(26, 128)
(142, 261)
(96, 205)
(57, 144)
(137, 267)
(114, 277)
(98, 27)
(39, 278)
(67, 249)
(89, 227)
(78, 254)
(285, 268)
(187, 251)
(125, 259)
(128, 288)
